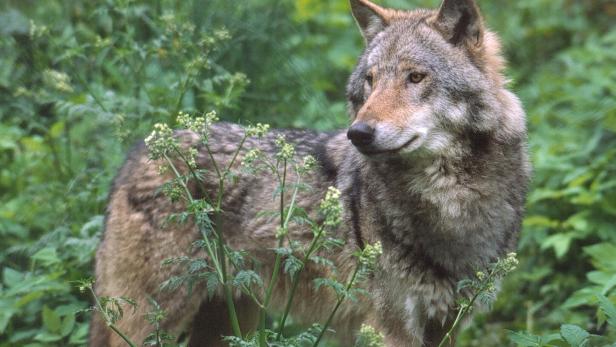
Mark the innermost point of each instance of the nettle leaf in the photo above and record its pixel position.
(79, 335)
(47, 256)
(68, 323)
(47, 337)
(607, 287)
(11, 277)
(5, 317)
(574, 335)
(559, 242)
(609, 309)
(525, 339)
(51, 320)
(603, 256)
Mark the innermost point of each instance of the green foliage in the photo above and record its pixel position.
(81, 80)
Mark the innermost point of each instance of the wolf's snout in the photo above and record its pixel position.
(361, 134)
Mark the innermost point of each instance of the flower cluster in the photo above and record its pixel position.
(331, 208)
(161, 141)
(196, 65)
(38, 31)
(199, 125)
(308, 163)
(191, 155)
(222, 34)
(286, 151)
(249, 159)
(57, 80)
(258, 130)
(369, 337)
(510, 263)
(370, 255)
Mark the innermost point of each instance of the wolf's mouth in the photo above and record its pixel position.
(389, 151)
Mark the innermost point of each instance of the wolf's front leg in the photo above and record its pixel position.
(409, 321)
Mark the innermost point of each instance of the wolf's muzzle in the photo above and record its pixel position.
(361, 134)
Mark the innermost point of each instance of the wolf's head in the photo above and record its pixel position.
(426, 78)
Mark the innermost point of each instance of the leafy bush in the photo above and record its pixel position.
(81, 80)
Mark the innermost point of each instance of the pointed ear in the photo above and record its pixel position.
(460, 22)
(371, 18)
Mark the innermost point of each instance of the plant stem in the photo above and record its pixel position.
(464, 310)
(338, 304)
(221, 255)
(307, 256)
(277, 262)
(124, 337)
(108, 320)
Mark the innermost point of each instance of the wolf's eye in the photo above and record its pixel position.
(369, 79)
(416, 77)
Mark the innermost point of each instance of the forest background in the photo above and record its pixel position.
(81, 81)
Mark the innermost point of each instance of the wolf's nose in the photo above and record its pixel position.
(361, 134)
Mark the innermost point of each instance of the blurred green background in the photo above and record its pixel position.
(80, 81)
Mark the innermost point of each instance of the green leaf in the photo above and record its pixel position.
(47, 256)
(524, 339)
(247, 278)
(68, 323)
(574, 335)
(560, 243)
(609, 309)
(56, 130)
(47, 337)
(51, 320)
(79, 335)
(212, 283)
(5, 318)
(603, 256)
(11, 277)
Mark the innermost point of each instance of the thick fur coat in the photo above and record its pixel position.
(434, 166)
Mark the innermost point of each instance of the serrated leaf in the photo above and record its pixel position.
(79, 335)
(559, 242)
(574, 335)
(322, 261)
(11, 277)
(68, 323)
(292, 265)
(524, 339)
(211, 283)
(247, 278)
(5, 317)
(328, 282)
(47, 256)
(47, 337)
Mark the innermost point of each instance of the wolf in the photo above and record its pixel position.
(434, 165)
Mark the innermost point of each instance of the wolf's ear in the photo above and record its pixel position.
(460, 22)
(371, 18)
